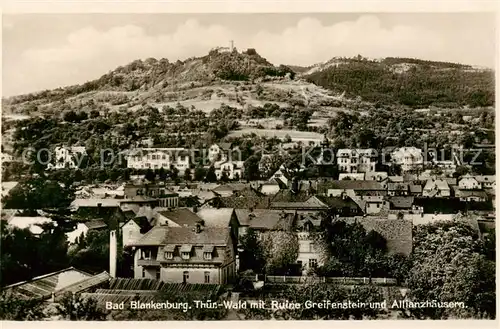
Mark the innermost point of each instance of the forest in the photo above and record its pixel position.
(419, 86)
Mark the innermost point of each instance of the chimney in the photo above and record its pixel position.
(112, 253)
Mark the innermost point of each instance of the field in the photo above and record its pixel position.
(296, 136)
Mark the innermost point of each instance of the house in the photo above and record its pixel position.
(399, 189)
(221, 218)
(468, 195)
(108, 210)
(7, 187)
(186, 255)
(408, 158)
(272, 186)
(371, 204)
(150, 193)
(342, 205)
(351, 188)
(312, 205)
(33, 223)
(486, 181)
(263, 220)
(156, 158)
(401, 202)
(219, 152)
(436, 188)
(134, 229)
(467, 182)
(229, 189)
(68, 157)
(246, 198)
(378, 176)
(231, 169)
(283, 175)
(397, 232)
(357, 160)
(310, 256)
(415, 189)
(352, 176)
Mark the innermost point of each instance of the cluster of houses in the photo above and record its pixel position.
(191, 232)
(176, 242)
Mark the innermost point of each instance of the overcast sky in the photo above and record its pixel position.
(44, 51)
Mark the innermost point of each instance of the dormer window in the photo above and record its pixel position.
(146, 254)
(169, 255)
(208, 252)
(186, 251)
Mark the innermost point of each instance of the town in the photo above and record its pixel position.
(150, 194)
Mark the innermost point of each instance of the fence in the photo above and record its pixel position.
(313, 279)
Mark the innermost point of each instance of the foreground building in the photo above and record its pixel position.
(357, 160)
(186, 255)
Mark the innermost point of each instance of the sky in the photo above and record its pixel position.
(46, 51)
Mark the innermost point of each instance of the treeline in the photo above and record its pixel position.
(420, 85)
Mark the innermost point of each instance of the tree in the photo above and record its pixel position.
(349, 250)
(251, 171)
(210, 176)
(449, 265)
(17, 309)
(74, 308)
(39, 193)
(150, 175)
(252, 256)
(281, 250)
(187, 175)
(199, 173)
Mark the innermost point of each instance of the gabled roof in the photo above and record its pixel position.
(397, 232)
(337, 202)
(230, 187)
(470, 193)
(401, 202)
(289, 196)
(396, 178)
(415, 188)
(353, 185)
(398, 186)
(265, 219)
(437, 184)
(94, 203)
(182, 217)
(43, 286)
(485, 178)
(216, 217)
(164, 235)
(95, 224)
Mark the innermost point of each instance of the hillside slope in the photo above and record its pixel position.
(406, 81)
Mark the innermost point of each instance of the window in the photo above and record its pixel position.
(185, 255)
(158, 274)
(207, 277)
(143, 272)
(299, 263)
(311, 247)
(313, 263)
(378, 205)
(146, 254)
(169, 255)
(164, 157)
(153, 157)
(130, 234)
(207, 256)
(185, 277)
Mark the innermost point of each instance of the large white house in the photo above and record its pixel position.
(408, 158)
(357, 160)
(156, 158)
(68, 157)
(233, 169)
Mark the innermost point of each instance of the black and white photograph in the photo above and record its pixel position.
(248, 166)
